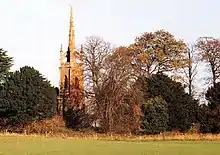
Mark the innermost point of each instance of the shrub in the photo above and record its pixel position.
(155, 116)
(52, 126)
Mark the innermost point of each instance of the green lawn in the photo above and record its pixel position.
(21, 145)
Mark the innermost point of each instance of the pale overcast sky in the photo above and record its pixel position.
(33, 30)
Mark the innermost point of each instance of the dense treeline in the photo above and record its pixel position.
(147, 87)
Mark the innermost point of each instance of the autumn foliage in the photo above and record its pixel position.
(128, 90)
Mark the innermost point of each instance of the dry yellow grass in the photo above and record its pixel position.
(95, 136)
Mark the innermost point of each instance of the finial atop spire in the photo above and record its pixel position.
(71, 32)
(61, 48)
(71, 12)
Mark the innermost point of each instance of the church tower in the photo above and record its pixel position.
(71, 84)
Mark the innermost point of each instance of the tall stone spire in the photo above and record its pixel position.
(71, 74)
(71, 43)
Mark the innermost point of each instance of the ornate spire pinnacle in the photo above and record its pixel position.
(61, 55)
(61, 48)
(81, 49)
(71, 44)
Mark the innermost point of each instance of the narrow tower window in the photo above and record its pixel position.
(68, 55)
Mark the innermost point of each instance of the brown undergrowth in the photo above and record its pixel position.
(48, 126)
(55, 128)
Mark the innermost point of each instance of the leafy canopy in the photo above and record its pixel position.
(158, 52)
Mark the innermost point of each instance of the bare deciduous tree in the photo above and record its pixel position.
(189, 71)
(113, 101)
(95, 50)
(209, 50)
(119, 100)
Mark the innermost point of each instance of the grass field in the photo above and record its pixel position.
(29, 145)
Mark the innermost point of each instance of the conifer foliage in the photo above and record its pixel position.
(210, 114)
(5, 63)
(182, 109)
(155, 116)
(26, 96)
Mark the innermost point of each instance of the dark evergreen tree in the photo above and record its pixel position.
(155, 116)
(182, 108)
(210, 114)
(213, 96)
(76, 118)
(5, 64)
(74, 112)
(26, 96)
